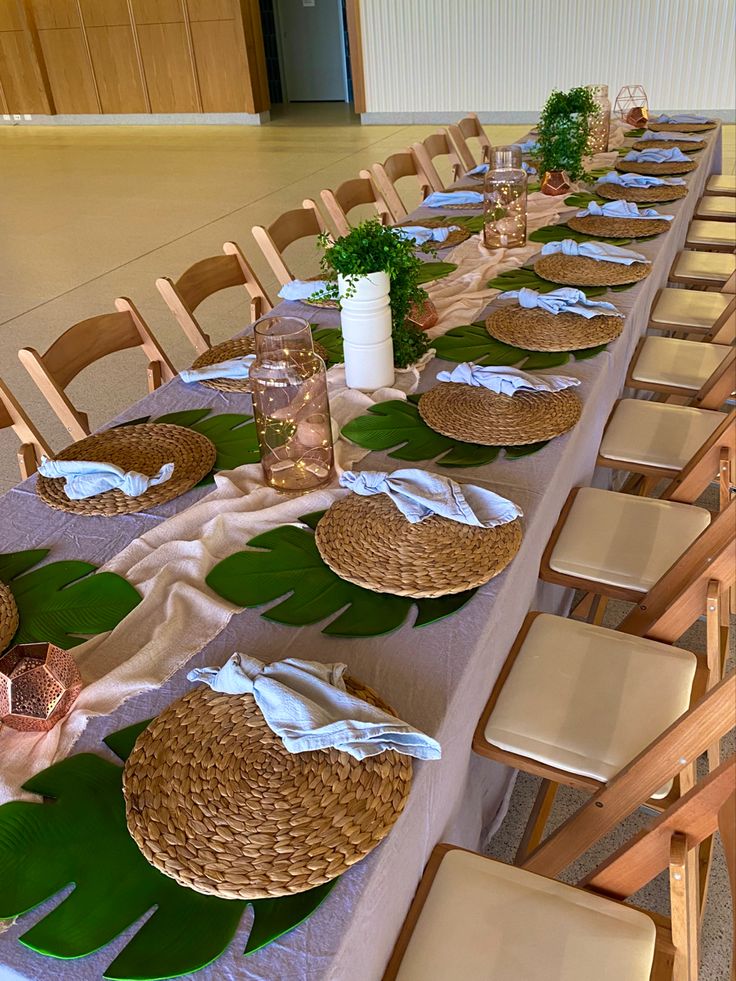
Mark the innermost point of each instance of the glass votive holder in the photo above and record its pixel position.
(504, 208)
(505, 157)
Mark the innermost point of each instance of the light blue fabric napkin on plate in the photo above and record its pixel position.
(622, 209)
(504, 380)
(420, 234)
(682, 117)
(419, 494)
(299, 289)
(566, 299)
(309, 708)
(233, 368)
(529, 146)
(528, 169)
(664, 155)
(599, 251)
(441, 199)
(480, 169)
(87, 478)
(639, 180)
(670, 135)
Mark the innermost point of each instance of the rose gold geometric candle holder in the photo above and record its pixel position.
(38, 684)
(423, 315)
(632, 105)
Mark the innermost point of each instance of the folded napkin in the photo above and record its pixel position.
(86, 478)
(418, 495)
(299, 289)
(669, 135)
(599, 251)
(528, 169)
(504, 380)
(233, 368)
(309, 708)
(567, 299)
(440, 199)
(420, 234)
(683, 117)
(529, 146)
(639, 180)
(674, 155)
(480, 169)
(622, 209)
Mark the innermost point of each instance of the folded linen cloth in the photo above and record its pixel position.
(673, 155)
(87, 478)
(639, 180)
(599, 251)
(528, 169)
(622, 209)
(441, 199)
(300, 289)
(480, 169)
(309, 708)
(566, 299)
(682, 117)
(420, 234)
(504, 380)
(233, 368)
(670, 135)
(528, 146)
(418, 495)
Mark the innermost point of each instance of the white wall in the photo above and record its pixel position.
(427, 60)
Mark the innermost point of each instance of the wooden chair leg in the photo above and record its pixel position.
(684, 902)
(154, 375)
(600, 610)
(27, 462)
(586, 607)
(534, 830)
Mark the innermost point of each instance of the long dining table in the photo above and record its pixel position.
(437, 677)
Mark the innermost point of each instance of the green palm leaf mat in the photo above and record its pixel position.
(581, 199)
(331, 340)
(556, 233)
(471, 223)
(62, 603)
(515, 279)
(435, 270)
(472, 342)
(635, 133)
(285, 560)
(82, 838)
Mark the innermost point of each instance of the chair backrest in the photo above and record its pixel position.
(350, 194)
(469, 127)
(720, 386)
(426, 152)
(83, 344)
(730, 285)
(385, 176)
(723, 330)
(205, 278)
(275, 238)
(32, 444)
(713, 461)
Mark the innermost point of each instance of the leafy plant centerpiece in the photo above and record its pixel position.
(563, 131)
(371, 247)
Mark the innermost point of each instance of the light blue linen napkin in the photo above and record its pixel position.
(622, 209)
(528, 146)
(682, 117)
(419, 494)
(480, 169)
(420, 234)
(528, 169)
(299, 289)
(233, 368)
(600, 251)
(441, 199)
(87, 478)
(504, 380)
(639, 180)
(566, 299)
(670, 135)
(309, 708)
(663, 155)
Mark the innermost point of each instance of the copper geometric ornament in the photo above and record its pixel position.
(632, 105)
(38, 684)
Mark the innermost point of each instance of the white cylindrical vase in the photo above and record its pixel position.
(365, 318)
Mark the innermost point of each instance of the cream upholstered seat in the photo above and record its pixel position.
(716, 206)
(682, 364)
(692, 266)
(486, 921)
(713, 234)
(587, 699)
(656, 434)
(721, 184)
(689, 308)
(622, 540)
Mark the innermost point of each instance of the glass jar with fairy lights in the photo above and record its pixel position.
(290, 404)
(504, 208)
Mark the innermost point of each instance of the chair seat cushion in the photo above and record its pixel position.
(688, 308)
(722, 184)
(486, 921)
(715, 233)
(713, 267)
(622, 540)
(681, 364)
(716, 206)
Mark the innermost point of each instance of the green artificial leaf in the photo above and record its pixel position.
(581, 199)
(435, 270)
(471, 223)
(556, 233)
(596, 172)
(546, 359)
(516, 279)
(285, 560)
(13, 563)
(185, 417)
(331, 340)
(516, 452)
(589, 352)
(472, 342)
(634, 133)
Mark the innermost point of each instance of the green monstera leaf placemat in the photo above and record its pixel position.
(556, 233)
(82, 839)
(516, 279)
(285, 562)
(472, 342)
(62, 603)
(435, 270)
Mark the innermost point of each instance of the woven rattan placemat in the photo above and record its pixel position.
(641, 195)
(454, 238)
(8, 616)
(680, 127)
(572, 270)
(538, 330)
(687, 146)
(655, 169)
(236, 348)
(605, 227)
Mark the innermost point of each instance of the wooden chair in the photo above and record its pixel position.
(202, 280)
(468, 128)
(288, 228)
(350, 194)
(721, 184)
(716, 236)
(702, 372)
(704, 270)
(33, 445)
(82, 345)
(696, 313)
(716, 207)
(386, 175)
(426, 152)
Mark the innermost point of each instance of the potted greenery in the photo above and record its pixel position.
(563, 131)
(377, 285)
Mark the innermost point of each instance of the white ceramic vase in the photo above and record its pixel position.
(365, 318)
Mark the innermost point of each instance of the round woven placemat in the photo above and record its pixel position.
(369, 542)
(687, 146)
(573, 270)
(641, 195)
(8, 616)
(475, 415)
(538, 330)
(680, 127)
(457, 207)
(454, 238)
(236, 348)
(655, 169)
(606, 227)
(143, 448)
(213, 800)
